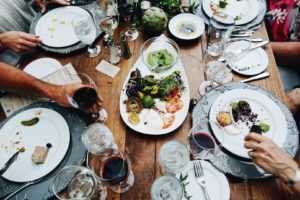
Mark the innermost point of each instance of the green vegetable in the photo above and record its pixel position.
(147, 89)
(160, 58)
(154, 21)
(169, 83)
(148, 101)
(264, 127)
(141, 95)
(30, 122)
(234, 106)
(238, 17)
(154, 90)
(223, 3)
(149, 80)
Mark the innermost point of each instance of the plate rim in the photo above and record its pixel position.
(67, 138)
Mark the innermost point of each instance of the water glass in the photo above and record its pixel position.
(173, 157)
(85, 30)
(97, 138)
(77, 182)
(166, 188)
(201, 139)
(114, 169)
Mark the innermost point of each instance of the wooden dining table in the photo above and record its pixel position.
(144, 149)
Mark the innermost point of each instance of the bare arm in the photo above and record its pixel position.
(286, 53)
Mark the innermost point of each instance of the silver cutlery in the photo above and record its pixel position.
(9, 162)
(251, 40)
(259, 76)
(22, 187)
(242, 34)
(200, 177)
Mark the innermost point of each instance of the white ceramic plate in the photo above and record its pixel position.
(254, 62)
(42, 67)
(51, 128)
(246, 9)
(186, 26)
(179, 115)
(216, 183)
(55, 27)
(267, 110)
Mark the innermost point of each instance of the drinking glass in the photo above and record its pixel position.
(166, 188)
(173, 157)
(111, 20)
(77, 182)
(216, 72)
(114, 169)
(201, 139)
(127, 8)
(86, 97)
(85, 30)
(97, 138)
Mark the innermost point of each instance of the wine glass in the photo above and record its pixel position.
(114, 169)
(85, 97)
(97, 138)
(216, 72)
(167, 188)
(111, 20)
(201, 139)
(85, 30)
(77, 182)
(127, 8)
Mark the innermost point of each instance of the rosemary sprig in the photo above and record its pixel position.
(183, 180)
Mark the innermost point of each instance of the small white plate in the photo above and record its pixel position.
(186, 26)
(267, 111)
(42, 67)
(55, 27)
(246, 9)
(254, 62)
(216, 183)
(51, 128)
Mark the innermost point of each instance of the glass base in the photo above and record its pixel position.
(93, 52)
(131, 34)
(206, 86)
(124, 187)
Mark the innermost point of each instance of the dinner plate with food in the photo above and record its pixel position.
(240, 111)
(41, 136)
(155, 103)
(241, 11)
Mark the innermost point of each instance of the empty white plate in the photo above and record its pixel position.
(186, 26)
(42, 67)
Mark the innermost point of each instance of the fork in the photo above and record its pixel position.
(200, 176)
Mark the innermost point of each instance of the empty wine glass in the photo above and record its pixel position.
(111, 20)
(85, 29)
(114, 169)
(202, 143)
(86, 97)
(127, 9)
(77, 182)
(167, 188)
(97, 138)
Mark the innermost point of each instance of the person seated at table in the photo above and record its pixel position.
(15, 19)
(26, 84)
(283, 25)
(272, 159)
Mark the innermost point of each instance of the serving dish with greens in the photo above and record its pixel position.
(154, 103)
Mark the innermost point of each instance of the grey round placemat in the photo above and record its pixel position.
(260, 17)
(229, 164)
(75, 155)
(92, 8)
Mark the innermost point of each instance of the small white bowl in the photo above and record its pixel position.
(186, 26)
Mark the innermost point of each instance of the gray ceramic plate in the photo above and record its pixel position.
(260, 17)
(75, 155)
(228, 163)
(92, 8)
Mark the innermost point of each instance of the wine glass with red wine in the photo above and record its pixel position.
(85, 97)
(114, 169)
(203, 142)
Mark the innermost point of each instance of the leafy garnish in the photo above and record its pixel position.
(183, 180)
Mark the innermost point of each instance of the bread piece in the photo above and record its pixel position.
(224, 118)
(39, 155)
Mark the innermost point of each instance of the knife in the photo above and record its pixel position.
(259, 76)
(8, 163)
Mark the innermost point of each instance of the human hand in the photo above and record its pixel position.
(293, 98)
(42, 3)
(19, 41)
(61, 98)
(267, 155)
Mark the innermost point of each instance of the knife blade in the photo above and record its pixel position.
(8, 163)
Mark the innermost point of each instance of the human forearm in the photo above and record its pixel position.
(286, 53)
(16, 81)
